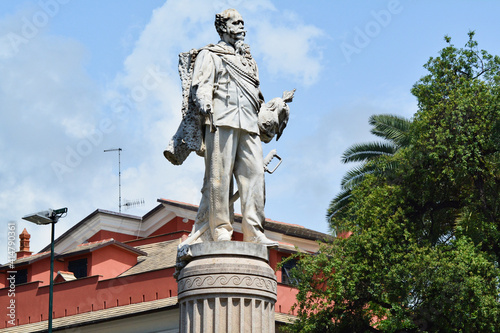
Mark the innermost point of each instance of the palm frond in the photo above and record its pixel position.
(394, 129)
(391, 127)
(356, 175)
(340, 201)
(363, 152)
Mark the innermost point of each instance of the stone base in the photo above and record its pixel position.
(227, 287)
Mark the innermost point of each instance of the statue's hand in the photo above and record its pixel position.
(206, 109)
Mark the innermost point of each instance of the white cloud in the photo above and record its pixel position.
(291, 50)
(48, 104)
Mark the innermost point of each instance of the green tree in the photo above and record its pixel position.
(423, 253)
(394, 130)
(456, 149)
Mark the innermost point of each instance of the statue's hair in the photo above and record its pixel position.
(221, 19)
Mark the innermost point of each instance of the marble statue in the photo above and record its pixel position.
(224, 120)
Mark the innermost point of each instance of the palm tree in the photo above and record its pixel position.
(394, 130)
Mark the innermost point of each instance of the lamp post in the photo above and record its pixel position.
(50, 216)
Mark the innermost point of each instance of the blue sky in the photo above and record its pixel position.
(78, 77)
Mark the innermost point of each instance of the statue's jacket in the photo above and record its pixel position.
(228, 83)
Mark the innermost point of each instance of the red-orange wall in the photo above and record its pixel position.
(40, 270)
(286, 298)
(88, 294)
(111, 261)
(105, 234)
(174, 225)
(286, 294)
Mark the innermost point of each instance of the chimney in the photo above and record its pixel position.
(24, 244)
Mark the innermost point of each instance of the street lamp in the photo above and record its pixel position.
(50, 216)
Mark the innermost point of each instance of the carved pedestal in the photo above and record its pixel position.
(227, 287)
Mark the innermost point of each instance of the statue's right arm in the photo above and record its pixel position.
(203, 81)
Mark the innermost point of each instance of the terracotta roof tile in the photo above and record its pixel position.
(27, 260)
(159, 256)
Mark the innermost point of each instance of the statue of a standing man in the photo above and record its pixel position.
(224, 100)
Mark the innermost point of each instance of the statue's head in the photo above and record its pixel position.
(230, 26)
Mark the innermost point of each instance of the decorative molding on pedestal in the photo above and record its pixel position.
(227, 287)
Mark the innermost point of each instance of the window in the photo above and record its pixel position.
(78, 267)
(286, 276)
(22, 276)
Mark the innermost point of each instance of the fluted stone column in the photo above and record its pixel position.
(227, 287)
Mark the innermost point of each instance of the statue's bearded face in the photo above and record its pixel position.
(235, 28)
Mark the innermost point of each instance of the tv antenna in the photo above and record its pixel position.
(119, 177)
(127, 204)
(133, 203)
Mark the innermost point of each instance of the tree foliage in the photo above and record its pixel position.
(422, 253)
